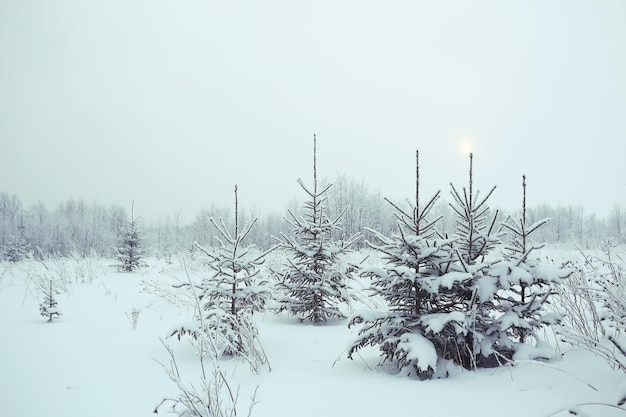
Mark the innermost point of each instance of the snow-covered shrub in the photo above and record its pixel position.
(40, 274)
(593, 305)
(64, 271)
(48, 308)
(86, 268)
(214, 334)
(133, 317)
(213, 396)
(314, 279)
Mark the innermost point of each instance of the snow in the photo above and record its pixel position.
(487, 286)
(541, 350)
(510, 319)
(91, 362)
(510, 274)
(377, 270)
(419, 348)
(448, 280)
(436, 322)
(550, 273)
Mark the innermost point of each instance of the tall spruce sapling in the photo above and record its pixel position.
(314, 280)
(48, 308)
(229, 296)
(525, 286)
(417, 333)
(130, 251)
(475, 238)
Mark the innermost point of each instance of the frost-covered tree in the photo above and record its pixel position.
(417, 333)
(456, 301)
(475, 237)
(16, 248)
(314, 280)
(48, 308)
(505, 295)
(231, 293)
(130, 250)
(524, 287)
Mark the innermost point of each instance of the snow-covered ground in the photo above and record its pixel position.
(92, 363)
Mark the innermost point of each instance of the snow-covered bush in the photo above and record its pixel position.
(593, 305)
(314, 279)
(48, 308)
(213, 396)
(87, 268)
(63, 271)
(133, 317)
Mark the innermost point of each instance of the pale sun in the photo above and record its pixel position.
(465, 146)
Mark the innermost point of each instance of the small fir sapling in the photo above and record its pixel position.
(525, 287)
(130, 251)
(48, 308)
(229, 296)
(314, 281)
(417, 333)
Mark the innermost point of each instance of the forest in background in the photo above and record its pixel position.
(78, 228)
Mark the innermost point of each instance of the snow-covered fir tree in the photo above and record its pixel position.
(453, 301)
(505, 295)
(48, 308)
(475, 237)
(231, 293)
(16, 248)
(524, 287)
(416, 334)
(130, 250)
(314, 280)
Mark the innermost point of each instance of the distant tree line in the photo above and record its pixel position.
(78, 228)
(73, 227)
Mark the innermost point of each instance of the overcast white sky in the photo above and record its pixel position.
(172, 103)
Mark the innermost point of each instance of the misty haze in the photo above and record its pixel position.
(312, 209)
